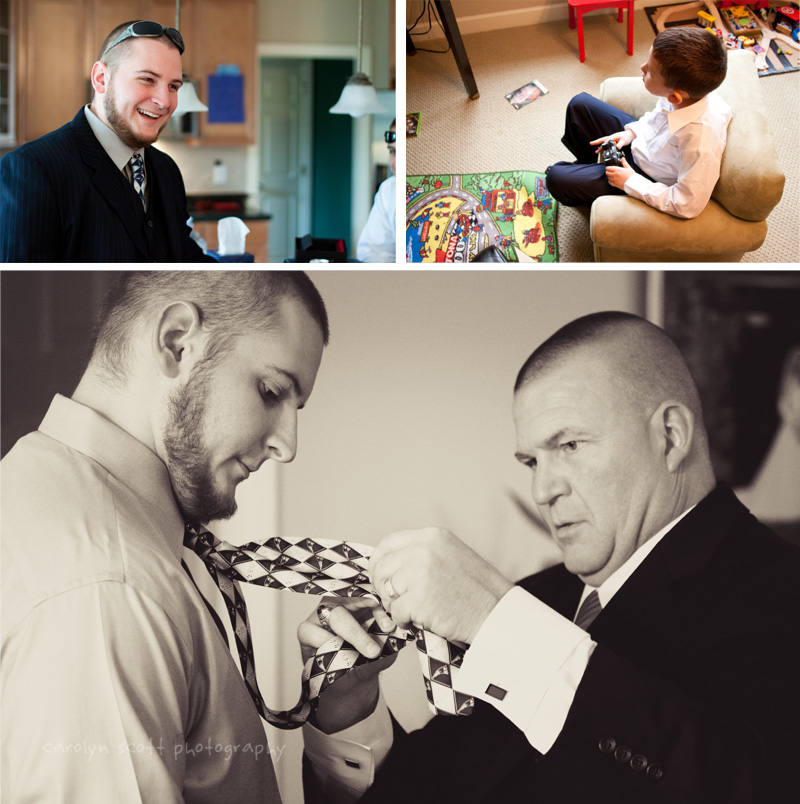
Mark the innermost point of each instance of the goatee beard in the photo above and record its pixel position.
(199, 500)
(120, 125)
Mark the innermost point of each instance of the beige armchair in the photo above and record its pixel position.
(624, 229)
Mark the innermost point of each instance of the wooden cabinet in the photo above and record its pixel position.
(51, 79)
(256, 242)
(59, 41)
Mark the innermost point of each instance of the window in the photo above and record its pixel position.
(6, 76)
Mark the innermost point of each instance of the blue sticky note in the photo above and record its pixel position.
(226, 99)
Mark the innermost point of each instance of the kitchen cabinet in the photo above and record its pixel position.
(59, 41)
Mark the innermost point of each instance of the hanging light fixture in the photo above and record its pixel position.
(187, 94)
(358, 96)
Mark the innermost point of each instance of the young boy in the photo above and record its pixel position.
(671, 156)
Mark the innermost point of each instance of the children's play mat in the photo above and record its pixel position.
(767, 24)
(452, 218)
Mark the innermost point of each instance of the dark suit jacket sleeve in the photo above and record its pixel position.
(30, 228)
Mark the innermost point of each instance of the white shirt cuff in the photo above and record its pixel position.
(637, 185)
(345, 762)
(527, 661)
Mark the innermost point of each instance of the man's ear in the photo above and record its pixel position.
(101, 76)
(673, 427)
(178, 339)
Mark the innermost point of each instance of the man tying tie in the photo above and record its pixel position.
(117, 683)
(658, 663)
(96, 190)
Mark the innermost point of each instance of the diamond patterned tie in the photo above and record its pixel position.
(137, 172)
(589, 609)
(320, 567)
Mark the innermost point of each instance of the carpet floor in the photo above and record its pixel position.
(457, 135)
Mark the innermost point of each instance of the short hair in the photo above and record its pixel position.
(230, 304)
(649, 360)
(691, 59)
(119, 52)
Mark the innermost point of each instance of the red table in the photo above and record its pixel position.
(582, 6)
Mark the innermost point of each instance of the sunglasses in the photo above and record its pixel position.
(390, 136)
(145, 28)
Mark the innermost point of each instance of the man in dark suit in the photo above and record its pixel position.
(679, 684)
(95, 190)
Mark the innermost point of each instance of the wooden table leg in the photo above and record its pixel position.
(453, 35)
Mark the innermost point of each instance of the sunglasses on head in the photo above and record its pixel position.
(153, 29)
(390, 136)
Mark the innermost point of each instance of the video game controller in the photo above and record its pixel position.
(611, 154)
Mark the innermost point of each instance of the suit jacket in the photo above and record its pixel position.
(691, 695)
(62, 199)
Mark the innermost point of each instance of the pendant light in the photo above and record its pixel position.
(187, 94)
(358, 96)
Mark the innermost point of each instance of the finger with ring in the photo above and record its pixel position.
(323, 614)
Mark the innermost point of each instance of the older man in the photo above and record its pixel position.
(658, 663)
(96, 190)
(117, 684)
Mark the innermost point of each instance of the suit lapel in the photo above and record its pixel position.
(110, 183)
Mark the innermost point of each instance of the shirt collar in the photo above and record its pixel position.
(118, 151)
(122, 456)
(678, 118)
(614, 582)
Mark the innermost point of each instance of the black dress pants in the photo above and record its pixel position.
(581, 182)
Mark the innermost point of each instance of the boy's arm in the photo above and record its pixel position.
(689, 195)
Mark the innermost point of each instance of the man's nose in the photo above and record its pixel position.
(548, 483)
(281, 442)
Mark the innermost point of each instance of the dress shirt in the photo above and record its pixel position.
(117, 685)
(681, 149)
(119, 153)
(539, 675)
(378, 240)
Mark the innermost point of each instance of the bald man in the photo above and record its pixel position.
(657, 663)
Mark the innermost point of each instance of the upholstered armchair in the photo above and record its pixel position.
(624, 229)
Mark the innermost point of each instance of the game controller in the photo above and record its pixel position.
(611, 154)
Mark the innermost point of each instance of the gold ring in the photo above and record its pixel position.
(323, 615)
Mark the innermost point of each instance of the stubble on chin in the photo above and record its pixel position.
(198, 495)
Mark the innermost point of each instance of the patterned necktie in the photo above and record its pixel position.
(137, 172)
(320, 567)
(589, 609)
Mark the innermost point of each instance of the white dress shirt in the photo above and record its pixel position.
(681, 149)
(117, 685)
(378, 240)
(539, 676)
(119, 152)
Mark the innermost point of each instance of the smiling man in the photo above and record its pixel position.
(656, 664)
(96, 190)
(117, 684)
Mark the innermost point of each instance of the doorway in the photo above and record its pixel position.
(305, 180)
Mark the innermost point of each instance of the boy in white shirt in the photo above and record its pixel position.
(671, 156)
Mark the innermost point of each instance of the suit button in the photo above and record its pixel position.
(639, 763)
(150, 224)
(623, 753)
(607, 745)
(655, 771)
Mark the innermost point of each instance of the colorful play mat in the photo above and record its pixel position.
(452, 218)
(775, 49)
